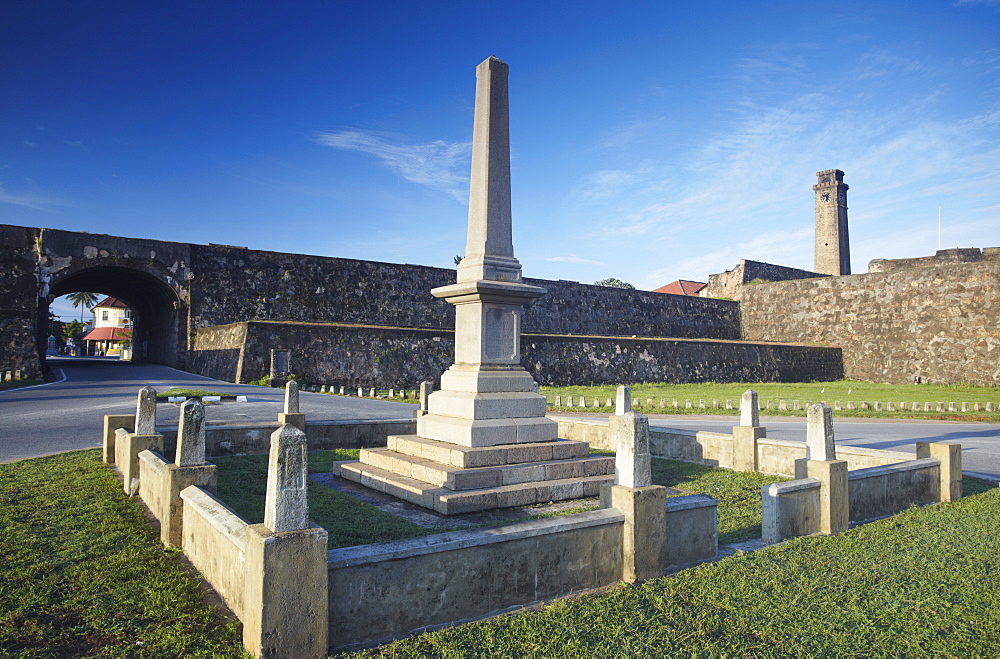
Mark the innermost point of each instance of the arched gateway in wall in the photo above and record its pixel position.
(157, 330)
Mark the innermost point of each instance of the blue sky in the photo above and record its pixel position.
(650, 141)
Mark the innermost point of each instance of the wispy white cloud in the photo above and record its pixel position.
(440, 164)
(574, 259)
(35, 202)
(881, 62)
(608, 182)
(77, 144)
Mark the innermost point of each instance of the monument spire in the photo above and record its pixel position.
(489, 248)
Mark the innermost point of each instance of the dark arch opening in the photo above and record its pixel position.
(154, 304)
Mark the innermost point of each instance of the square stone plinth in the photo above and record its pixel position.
(486, 432)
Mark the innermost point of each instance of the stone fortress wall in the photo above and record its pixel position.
(941, 257)
(234, 285)
(939, 322)
(729, 284)
(354, 356)
(18, 301)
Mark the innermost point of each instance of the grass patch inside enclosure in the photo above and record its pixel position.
(842, 390)
(923, 583)
(738, 493)
(242, 482)
(82, 572)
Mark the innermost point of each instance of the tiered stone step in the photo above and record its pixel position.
(454, 479)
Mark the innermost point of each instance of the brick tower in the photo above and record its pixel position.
(833, 251)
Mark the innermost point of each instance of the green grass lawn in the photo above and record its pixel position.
(242, 482)
(739, 510)
(925, 582)
(84, 574)
(842, 390)
(349, 522)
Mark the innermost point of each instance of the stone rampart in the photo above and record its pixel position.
(357, 356)
(177, 289)
(941, 257)
(941, 324)
(235, 285)
(19, 347)
(729, 284)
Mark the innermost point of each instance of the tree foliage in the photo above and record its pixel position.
(84, 300)
(613, 283)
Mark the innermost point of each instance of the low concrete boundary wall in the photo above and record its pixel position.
(795, 507)
(215, 543)
(384, 591)
(790, 509)
(878, 491)
(692, 529)
(152, 476)
(255, 438)
(714, 449)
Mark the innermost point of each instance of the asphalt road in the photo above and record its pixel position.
(68, 415)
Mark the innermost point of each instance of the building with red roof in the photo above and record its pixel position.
(682, 287)
(112, 328)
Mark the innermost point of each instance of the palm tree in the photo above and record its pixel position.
(84, 300)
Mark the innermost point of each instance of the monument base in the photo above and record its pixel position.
(452, 479)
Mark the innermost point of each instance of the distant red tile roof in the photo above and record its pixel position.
(107, 334)
(682, 287)
(111, 302)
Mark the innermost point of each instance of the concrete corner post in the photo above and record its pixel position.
(290, 413)
(623, 400)
(286, 596)
(950, 457)
(188, 468)
(286, 507)
(644, 538)
(746, 434)
(127, 446)
(630, 436)
(643, 504)
(426, 389)
(190, 434)
(145, 412)
(822, 464)
(834, 504)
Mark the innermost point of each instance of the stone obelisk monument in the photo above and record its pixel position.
(483, 441)
(486, 398)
